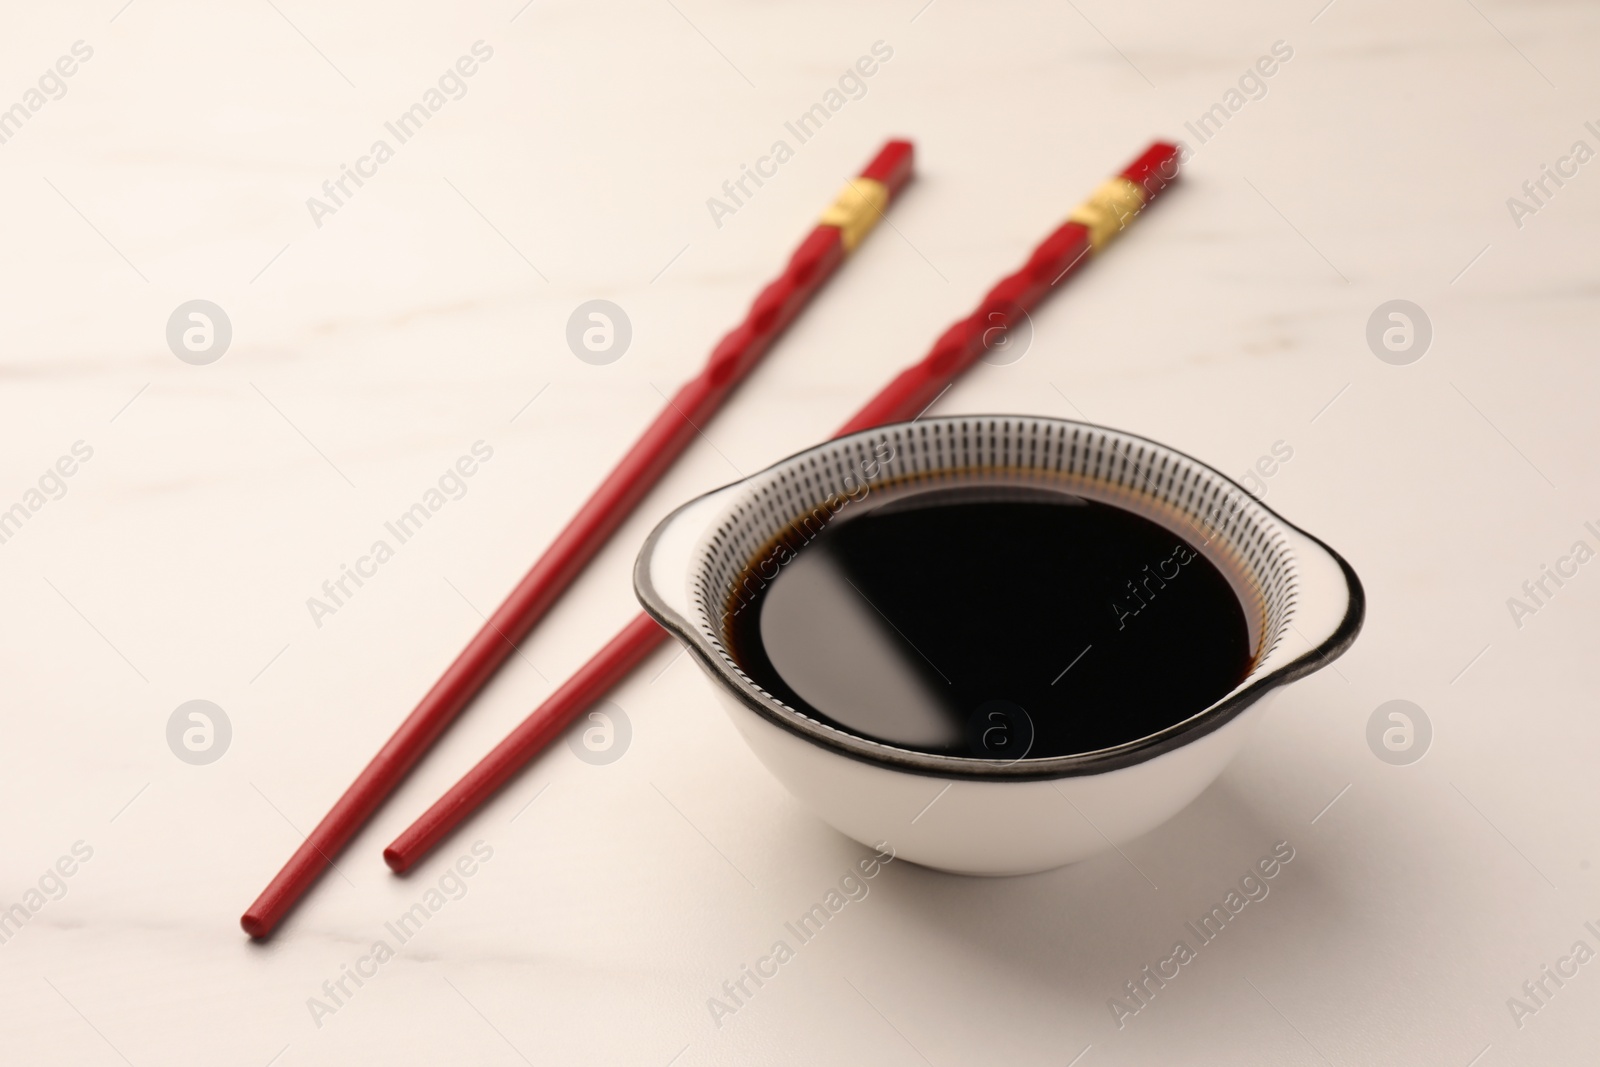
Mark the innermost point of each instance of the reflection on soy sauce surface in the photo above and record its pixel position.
(995, 622)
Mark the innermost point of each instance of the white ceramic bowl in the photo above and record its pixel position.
(982, 816)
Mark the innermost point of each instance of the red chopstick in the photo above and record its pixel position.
(850, 218)
(1088, 228)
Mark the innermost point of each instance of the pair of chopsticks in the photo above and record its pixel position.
(842, 227)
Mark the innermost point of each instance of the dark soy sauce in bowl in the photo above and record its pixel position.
(994, 622)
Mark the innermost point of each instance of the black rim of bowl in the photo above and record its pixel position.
(975, 768)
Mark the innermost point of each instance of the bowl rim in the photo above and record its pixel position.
(972, 768)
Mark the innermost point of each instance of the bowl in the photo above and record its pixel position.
(968, 814)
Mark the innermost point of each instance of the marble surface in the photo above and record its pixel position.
(373, 344)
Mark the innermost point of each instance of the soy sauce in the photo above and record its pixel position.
(992, 622)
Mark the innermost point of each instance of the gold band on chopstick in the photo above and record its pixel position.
(1108, 210)
(856, 210)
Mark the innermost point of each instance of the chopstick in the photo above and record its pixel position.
(859, 206)
(1087, 229)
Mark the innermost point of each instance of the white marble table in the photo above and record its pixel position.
(374, 341)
